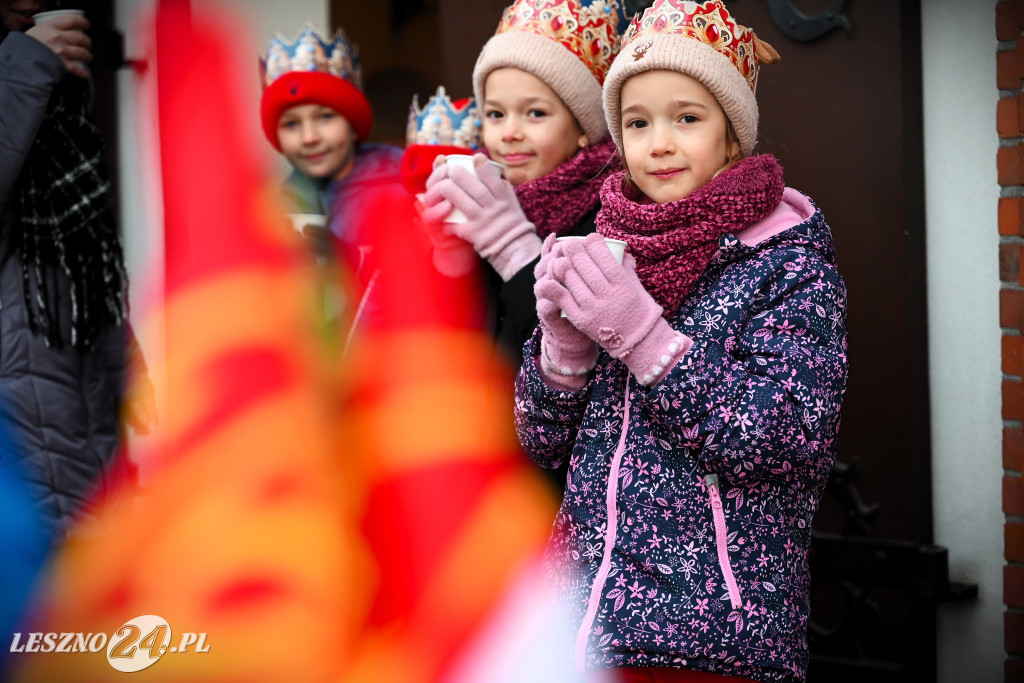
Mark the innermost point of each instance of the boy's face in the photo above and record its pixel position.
(674, 134)
(317, 140)
(527, 128)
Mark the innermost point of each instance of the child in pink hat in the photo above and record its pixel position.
(537, 84)
(695, 389)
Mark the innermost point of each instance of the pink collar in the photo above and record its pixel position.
(794, 209)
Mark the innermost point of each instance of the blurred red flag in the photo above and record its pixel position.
(317, 520)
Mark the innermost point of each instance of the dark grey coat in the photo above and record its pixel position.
(61, 405)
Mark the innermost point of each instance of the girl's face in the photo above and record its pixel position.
(527, 128)
(317, 140)
(674, 135)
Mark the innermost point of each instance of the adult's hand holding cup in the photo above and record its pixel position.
(63, 31)
(617, 247)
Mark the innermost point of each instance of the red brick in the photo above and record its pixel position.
(1006, 21)
(1013, 400)
(1020, 12)
(1007, 117)
(1010, 212)
(1013, 535)
(1013, 585)
(1013, 352)
(1011, 307)
(1008, 69)
(1009, 262)
(1013, 448)
(1013, 496)
(1013, 671)
(1014, 635)
(1009, 165)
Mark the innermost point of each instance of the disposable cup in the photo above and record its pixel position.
(617, 247)
(44, 17)
(301, 220)
(466, 162)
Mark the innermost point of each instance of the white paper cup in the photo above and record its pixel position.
(617, 247)
(466, 162)
(301, 220)
(44, 17)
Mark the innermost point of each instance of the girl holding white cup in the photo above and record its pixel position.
(539, 90)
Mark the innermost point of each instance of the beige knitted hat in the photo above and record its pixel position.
(564, 43)
(701, 40)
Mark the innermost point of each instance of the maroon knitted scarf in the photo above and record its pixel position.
(673, 242)
(559, 200)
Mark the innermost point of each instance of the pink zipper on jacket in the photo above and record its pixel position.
(721, 538)
(609, 543)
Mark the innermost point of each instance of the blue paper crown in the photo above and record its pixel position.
(311, 53)
(440, 122)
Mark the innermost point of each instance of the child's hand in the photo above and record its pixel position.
(495, 223)
(600, 297)
(607, 301)
(564, 349)
(452, 256)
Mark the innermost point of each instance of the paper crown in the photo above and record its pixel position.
(311, 70)
(442, 122)
(589, 31)
(311, 53)
(709, 22)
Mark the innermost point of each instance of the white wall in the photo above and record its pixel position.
(963, 317)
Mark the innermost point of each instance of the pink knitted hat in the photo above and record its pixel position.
(568, 44)
(701, 40)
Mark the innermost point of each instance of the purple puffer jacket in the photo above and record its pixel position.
(682, 538)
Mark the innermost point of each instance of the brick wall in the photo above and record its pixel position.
(1010, 167)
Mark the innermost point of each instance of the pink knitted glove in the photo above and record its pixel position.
(567, 354)
(452, 256)
(606, 301)
(495, 223)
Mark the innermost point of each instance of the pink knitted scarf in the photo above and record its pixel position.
(673, 242)
(559, 200)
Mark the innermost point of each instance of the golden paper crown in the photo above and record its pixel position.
(588, 31)
(709, 22)
(443, 122)
(311, 53)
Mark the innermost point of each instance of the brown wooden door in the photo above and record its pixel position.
(843, 115)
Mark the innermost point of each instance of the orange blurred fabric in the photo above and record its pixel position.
(320, 519)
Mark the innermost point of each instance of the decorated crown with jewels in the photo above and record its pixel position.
(442, 122)
(709, 22)
(588, 31)
(311, 53)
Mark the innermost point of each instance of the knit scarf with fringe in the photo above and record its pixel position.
(558, 201)
(63, 219)
(673, 242)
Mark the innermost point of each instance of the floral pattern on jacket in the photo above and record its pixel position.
(715, 479)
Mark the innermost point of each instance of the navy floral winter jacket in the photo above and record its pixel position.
(682, 538)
